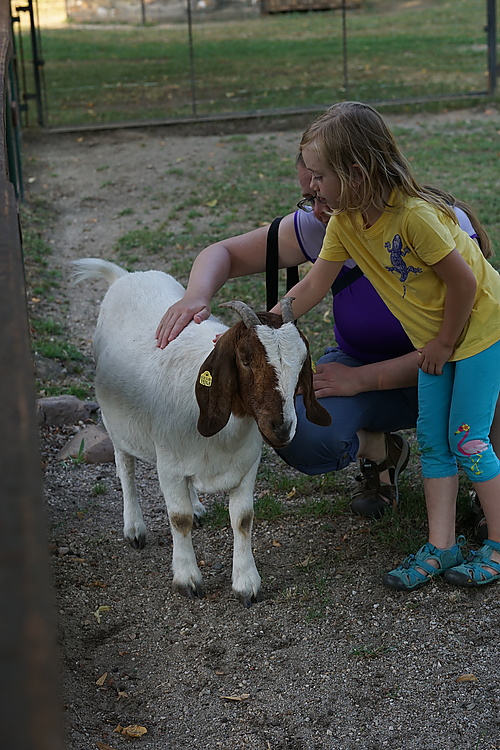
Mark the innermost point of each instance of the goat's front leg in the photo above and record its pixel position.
(134, 528)
(246, 578)
(187, 578)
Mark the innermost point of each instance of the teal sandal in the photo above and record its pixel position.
(415, 571)
(474, 571)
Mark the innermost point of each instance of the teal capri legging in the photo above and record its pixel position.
(455, 414)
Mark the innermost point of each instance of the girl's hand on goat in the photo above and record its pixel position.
(176, 319)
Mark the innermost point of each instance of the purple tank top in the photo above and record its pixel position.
(364, 326)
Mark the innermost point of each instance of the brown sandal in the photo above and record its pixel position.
(374, 497)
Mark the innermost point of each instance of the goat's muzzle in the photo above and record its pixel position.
(278, 436)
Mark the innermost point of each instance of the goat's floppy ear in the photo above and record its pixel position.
(314, 411)
(216, 385)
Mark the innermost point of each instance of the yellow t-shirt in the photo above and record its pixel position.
(397, 253)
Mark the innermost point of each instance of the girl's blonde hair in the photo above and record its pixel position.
(353, 139)
(483, 239)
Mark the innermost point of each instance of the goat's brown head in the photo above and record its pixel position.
(255, 369)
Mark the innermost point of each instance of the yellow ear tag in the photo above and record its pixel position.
(206, 378)
(313, 366)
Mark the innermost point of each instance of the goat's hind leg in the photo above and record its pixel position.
(246, 578)
(199, 509)
(134, 528)
(178, 494)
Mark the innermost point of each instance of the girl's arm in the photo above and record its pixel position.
(313, 287)
(460, 294)
(228, 259)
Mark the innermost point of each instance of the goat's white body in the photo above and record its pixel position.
(147, 394)
(148, 405)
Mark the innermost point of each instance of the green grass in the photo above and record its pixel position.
(99, 488)
(370, 652)
(281, 61)
(268, 508)
(49, 338)
(53, 349)
(83, 391)
(217, 515)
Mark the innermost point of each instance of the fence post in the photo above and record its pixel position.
(491, 30)
(30, 710)
(191, 58)
(344, 50)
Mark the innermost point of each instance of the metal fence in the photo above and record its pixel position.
(201, 72)
(30, 717)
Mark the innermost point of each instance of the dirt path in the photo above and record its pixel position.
(329, 660)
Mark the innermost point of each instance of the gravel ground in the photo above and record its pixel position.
(328, 660)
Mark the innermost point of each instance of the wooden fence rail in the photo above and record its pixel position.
(30, 711)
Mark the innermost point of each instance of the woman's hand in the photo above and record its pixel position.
(334, 379)
(177, 317)
(433, 356)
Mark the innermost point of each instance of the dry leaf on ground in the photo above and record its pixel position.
(133, 731)
(242, 697)
(100, 611)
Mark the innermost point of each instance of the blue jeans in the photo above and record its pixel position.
(318, 450)
(456, 412)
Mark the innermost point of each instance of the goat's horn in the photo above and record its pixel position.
(286, 309)
(248, 316)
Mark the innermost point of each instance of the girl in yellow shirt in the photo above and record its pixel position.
(436, 281)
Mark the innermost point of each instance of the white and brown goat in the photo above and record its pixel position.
(195, 410)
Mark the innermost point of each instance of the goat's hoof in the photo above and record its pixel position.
(199, 511)
(138, 542)
(197, 521)
(190, 592)
(248, 599)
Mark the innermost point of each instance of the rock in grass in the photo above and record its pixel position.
(92, 445)
(64, 410)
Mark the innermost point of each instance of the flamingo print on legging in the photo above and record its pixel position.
(472, 448)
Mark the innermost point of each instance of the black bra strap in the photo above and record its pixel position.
(272, 266)
(292, 273)
(292, 277)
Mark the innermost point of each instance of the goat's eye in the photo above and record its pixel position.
(245, 362)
